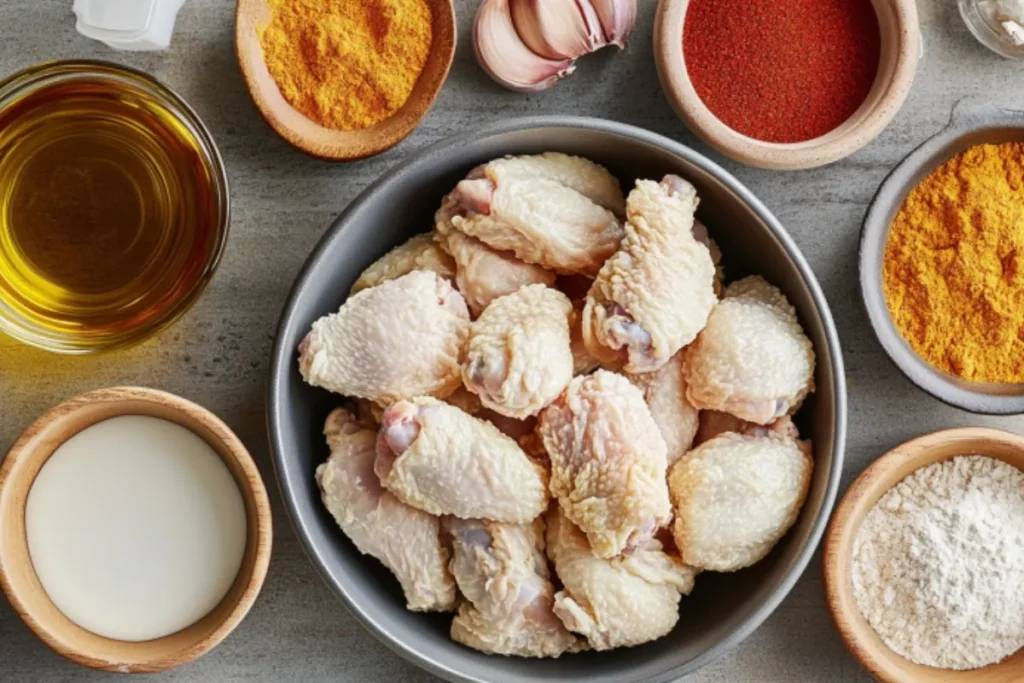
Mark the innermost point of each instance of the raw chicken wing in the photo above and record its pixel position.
(401, 339)
(735, 496)
(619, 602)
(654, 295)
(753, 359)
(484, 274)
(503, 573)
(419, 253)
(665, 393)
(607, 462)
(437, 458)
(518, 358)
(404, 539)
(554, 210)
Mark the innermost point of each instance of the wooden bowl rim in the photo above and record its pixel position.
(255, 562)
(341, 145)
(850, 136)
(858, 636)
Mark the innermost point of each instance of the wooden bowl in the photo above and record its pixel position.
(900, 51)
(339, 145)
(862, 641)
(17, 576)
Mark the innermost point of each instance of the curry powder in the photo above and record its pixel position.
(953, 271)
(347, 64)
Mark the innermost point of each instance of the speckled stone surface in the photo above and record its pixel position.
(283, 202)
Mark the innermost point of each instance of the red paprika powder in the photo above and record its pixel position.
(782, 70)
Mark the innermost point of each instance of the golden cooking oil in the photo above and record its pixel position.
(112, 212)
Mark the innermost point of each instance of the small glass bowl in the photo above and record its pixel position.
(981, 17)
(82, 73)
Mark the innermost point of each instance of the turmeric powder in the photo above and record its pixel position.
(953, 270)
(347, 64)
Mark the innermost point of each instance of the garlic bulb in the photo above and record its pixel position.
(504, 55)
(558, 29)
(528, 45)
(617, 18)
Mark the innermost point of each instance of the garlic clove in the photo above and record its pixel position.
(558, 29)
(504, 55)
(618, 18)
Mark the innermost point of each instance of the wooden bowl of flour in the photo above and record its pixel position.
(859, 637)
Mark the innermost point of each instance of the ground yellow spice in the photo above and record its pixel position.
(347, 64)
(953, 271)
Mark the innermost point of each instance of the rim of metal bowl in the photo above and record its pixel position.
(47, 73)
(282, 362)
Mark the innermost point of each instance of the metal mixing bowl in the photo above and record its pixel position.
(724, 608)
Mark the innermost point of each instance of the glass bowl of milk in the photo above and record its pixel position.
(135, 529)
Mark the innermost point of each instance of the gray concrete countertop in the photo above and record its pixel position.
(283, 202)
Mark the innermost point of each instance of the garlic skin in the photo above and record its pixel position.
(528, 45)
(506, 58)
(558, 29)
(618, 18)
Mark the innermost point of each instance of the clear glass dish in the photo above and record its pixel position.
(58, 87)
(983, 20)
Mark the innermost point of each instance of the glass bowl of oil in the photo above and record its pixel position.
(113, 206)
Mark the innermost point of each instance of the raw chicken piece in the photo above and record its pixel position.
(419, 253)
(484, 274)
(735, 496)
(439, 459)
(553, 210)
(582, 362)
(607, 462)
(713, 423)
(665, 393)
(619, 602)
(503, 573)
(700, 233)
(401, 339)
(518, 358)
(753, 359)
(654, 295)
(406, 540)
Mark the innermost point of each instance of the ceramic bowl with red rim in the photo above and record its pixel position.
(735, 99)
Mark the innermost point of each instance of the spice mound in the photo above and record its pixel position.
(782, 70)
(347, 65)
(938, 564)
(952, 268)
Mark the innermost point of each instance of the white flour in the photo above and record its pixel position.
(938, 564)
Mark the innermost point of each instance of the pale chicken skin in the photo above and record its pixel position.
(518, 358)
(483, 274)
(665, 393)
(608, 462)
(735, 496)
(654, 295)
(403, 338)
(437, 458)
(753, 359)
(404, 539)
(419, 253)
(619, 602)
(503, 573)
(557, 211)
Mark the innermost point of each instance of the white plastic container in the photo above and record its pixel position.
(137, 25)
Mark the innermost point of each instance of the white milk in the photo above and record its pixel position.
(136, 528)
